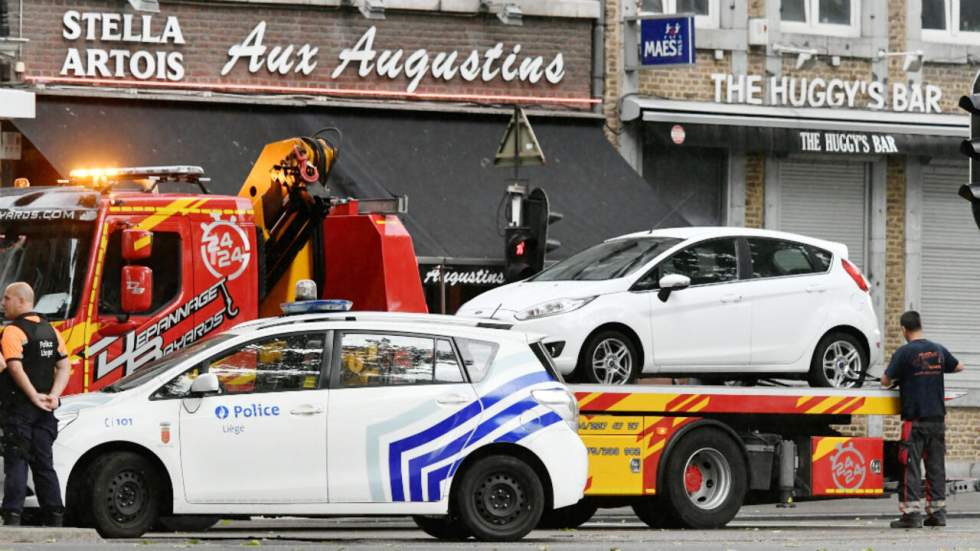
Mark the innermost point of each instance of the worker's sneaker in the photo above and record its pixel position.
(935, 520)
(908, 520)
(11, 518)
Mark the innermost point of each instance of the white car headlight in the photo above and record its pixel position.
(553, 307)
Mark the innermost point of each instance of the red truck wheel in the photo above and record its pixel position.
(705, 479)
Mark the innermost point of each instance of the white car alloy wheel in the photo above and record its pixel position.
(842, 364)
(612, 362)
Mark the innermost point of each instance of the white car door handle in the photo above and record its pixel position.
(731, 298)
(816, 289)
(306, 409)
(451, 400)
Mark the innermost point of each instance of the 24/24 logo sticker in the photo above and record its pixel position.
(225, 248)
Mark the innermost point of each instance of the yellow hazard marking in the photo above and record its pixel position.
(824, 405)
(699, 406)
(588, 399)
(656, 447)
(825, 446)
(848, 403)
(855, 491)
(690, 399)
(90, 326)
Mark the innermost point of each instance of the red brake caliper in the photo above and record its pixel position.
(693, 479)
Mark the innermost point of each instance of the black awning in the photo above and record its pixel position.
(443, 162)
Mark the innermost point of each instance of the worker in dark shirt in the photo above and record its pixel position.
(918, 367)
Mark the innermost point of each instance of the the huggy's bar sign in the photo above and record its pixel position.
(109, 45)
(820, 92)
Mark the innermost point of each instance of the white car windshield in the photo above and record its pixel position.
(608, 260)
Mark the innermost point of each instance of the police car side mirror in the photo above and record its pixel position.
(205, 384)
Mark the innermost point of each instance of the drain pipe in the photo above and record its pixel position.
(599, 57)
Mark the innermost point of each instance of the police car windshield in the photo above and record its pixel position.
(609, 260)
(156, 367)
(51, 258)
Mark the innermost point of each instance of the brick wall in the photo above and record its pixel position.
(755, 190)
(210, 29)
(894, 253)
(613, 50)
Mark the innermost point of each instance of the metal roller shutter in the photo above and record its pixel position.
(827, 200)
(950, 299)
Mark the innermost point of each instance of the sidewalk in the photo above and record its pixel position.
(965, 505)
(39, 534)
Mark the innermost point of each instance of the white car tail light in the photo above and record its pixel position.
(855, 274)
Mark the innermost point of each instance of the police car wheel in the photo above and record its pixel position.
(705, 480)
(185, 523)
(838, 362)
(571, 516)
(125, 488)
(442, 528)
(500, 498)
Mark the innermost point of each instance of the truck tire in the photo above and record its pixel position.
(500, 498)
(839, 361)
(571, 516)
(186, 523)
(124, 495)
(608, 358)
(442, 528)
(705, 480)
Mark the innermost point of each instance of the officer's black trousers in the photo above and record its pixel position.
(923, 441)
(29, 435)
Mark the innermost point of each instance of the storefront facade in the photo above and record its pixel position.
(831, 119)
(421, 96)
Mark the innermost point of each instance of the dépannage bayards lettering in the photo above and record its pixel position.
(148, 344)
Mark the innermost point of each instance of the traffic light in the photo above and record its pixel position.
(518, 240)
(971, 148)
(528, 244)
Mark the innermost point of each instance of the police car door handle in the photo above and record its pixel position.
(451, 400)
(307, 409)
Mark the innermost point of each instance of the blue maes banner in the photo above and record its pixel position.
(667, 41)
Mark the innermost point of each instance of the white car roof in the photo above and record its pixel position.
(707, 232)
(391, 321)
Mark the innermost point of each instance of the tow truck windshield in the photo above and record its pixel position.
(608, 260)
(52, 259)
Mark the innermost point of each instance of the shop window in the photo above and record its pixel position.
(166, 280)
(395, 360)
(951, 21)
(829, 17)
(705, 11)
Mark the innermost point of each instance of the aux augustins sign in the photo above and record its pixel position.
(111, 45)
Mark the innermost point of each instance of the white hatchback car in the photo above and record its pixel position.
(469, 429)
(724, 303)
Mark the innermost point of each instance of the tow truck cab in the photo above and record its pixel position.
(129, 274)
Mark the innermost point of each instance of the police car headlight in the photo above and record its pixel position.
(65, 418)
(561, 402)
(553, 308)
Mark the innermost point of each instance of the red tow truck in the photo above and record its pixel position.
(129, 273)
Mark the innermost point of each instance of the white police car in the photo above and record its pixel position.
(469, 429)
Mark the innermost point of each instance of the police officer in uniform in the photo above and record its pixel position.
(918, 368)
(36, 374)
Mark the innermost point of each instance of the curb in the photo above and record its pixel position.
(29, 534)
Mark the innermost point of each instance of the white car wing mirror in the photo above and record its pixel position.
(670, 283)
(205, 384)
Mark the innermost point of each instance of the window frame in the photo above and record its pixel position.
(113, 230)
(337, 351)
(812, 25)
(710, 21)
(810, 253)
(951, 34)
(204, 363)
(739, 265)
